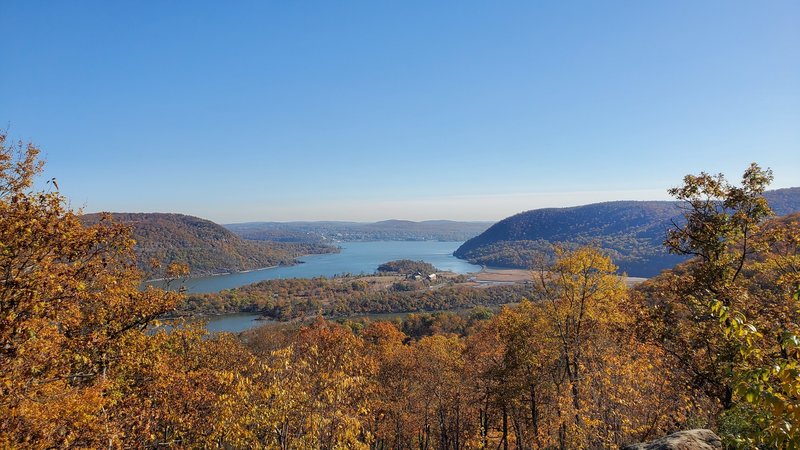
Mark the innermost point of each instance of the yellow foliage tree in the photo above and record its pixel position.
(69, 304)
(581, 295)
(318, 390)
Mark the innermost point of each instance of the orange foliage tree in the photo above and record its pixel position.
(69, 304)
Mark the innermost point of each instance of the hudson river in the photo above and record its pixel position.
(355, 258)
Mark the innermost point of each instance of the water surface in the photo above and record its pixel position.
(355, 258)
(234, 323)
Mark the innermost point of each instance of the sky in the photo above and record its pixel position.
(466, 110)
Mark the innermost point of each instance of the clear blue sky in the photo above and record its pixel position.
(240, 111)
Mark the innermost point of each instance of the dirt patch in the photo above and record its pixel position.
(503, 275)
(488, 276)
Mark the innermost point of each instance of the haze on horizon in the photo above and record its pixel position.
(369, 111)
(485, 208)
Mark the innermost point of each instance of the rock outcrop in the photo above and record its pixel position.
(682, 440)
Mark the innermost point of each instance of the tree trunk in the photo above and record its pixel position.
(484, 423)
(573, 375)
(534, 415)
(505, 427)
(517, 431)
(727, 401)
(457, 434)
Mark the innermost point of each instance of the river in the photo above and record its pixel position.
(236, 323)
(355, 258)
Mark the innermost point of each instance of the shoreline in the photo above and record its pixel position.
(227, 273)
(295, 262)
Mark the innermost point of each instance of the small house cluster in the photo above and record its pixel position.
(417, 276)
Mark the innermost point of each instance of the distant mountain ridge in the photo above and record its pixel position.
(632, 232)
(206, 247)
(386, 230)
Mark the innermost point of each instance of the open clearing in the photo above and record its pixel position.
(489, 276)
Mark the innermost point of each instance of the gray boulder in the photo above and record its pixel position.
(682, 440)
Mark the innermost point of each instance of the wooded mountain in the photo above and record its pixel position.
(206, 247)
(387, 230)
(632, 232)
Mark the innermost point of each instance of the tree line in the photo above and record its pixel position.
(299, 298)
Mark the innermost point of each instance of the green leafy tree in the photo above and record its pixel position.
(721, 220)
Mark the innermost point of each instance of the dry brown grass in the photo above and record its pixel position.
(504, 275)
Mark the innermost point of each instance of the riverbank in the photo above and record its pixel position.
(221, 274)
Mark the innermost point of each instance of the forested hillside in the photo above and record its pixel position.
(204, 246)
(632, 232)
(784, 201)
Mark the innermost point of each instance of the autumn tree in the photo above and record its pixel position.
(721, 222)
(393, 422)
(69, 300)
(185, 388)
(512, 361)
(80, 366)
(440, 393)
(317, 390)
(766, 336)
(485, 378)
(580, 293)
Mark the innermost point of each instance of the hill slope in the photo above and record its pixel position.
(206, 247)
(631, 231)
